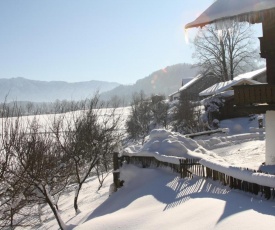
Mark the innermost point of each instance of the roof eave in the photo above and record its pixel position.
(252, 17)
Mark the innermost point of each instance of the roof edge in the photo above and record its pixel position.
(251, 17)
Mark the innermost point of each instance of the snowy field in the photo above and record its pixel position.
(159, 199)
(46, 120)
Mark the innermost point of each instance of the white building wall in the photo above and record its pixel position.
(270, 138)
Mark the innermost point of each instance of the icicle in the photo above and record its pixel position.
(186, 36)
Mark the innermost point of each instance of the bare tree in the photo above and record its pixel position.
(89, 138)
(226, 49)
(104, 165)
(160, 110)
(187, 116)
(15, 208)
(37, 165)
(146, 114)
(139, 122)
(13, 205)
(42, 167)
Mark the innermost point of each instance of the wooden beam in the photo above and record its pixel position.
(267, 48)
(254, 109)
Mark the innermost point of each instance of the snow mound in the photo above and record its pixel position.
(166, 144)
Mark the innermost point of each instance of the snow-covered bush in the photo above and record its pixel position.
(212, 107)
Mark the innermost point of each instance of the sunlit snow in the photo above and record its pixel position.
(154, 198)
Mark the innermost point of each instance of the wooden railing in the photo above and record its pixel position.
(254, 94)
(191, 167)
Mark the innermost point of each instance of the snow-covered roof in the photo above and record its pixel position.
(224, 86)
(241, 10)
(250, 75)
(191, 82)
(172, 94)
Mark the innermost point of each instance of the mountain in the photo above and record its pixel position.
(21, 89)
(164, 81)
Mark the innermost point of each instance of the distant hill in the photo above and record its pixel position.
(21, 89)
(165, 81)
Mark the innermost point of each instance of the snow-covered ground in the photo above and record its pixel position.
(159, 199)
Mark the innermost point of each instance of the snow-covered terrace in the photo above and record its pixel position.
(250, 75)
(226, 86)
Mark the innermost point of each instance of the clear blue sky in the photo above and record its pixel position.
(82, 40)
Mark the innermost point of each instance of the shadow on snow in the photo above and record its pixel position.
(173, 191)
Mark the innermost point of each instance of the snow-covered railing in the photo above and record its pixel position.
(209, 132)
(150, 161)
(238, 178)
(185, 167)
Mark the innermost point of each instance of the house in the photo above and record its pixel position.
(254, 98)
(192, 88)
(174, 96)
(224, 91)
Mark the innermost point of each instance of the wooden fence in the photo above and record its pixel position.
(191, 167)
(240, 184)
(146, 162)
(188, 167)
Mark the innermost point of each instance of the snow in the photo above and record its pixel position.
(243, 144)
(156, 198)
(241, 173)
(244, 10)
(166, 146)
(250, 75)
(46, 119)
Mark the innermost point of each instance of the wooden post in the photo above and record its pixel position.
(223, 179)
(116, 175)
(185, 167)
(115, 161)
(231, 182)
(116, 172)
(267, 192)
(267, 48)
(214, 175)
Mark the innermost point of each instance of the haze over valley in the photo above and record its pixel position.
(164, 81)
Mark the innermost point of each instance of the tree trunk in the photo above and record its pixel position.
(224, 65)
(11, 219)
(49, 200)
(76, 198)
(57, 216)
(39, 209)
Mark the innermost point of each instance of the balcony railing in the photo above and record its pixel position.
(245, 95)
